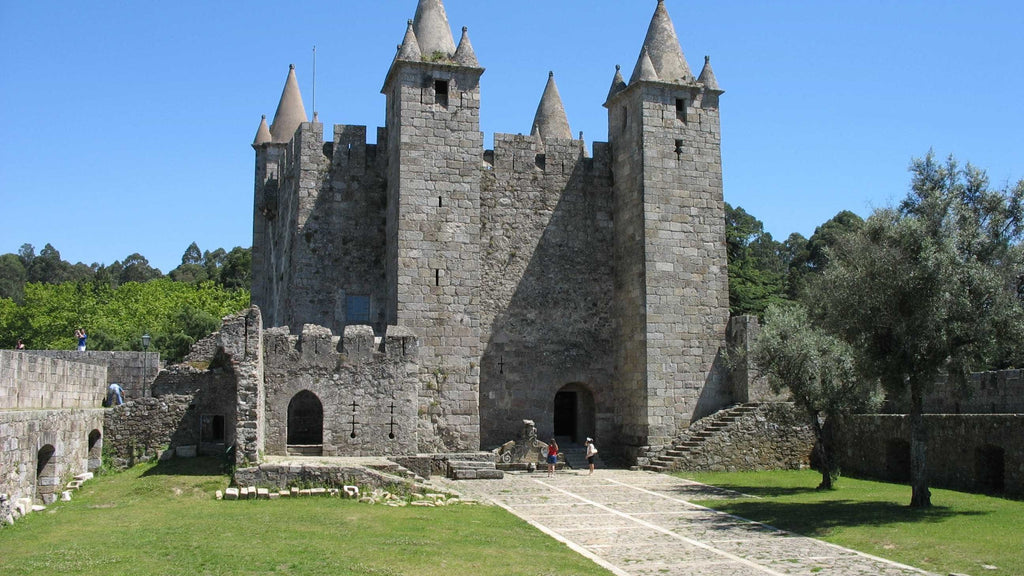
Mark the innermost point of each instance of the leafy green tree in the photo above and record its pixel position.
(12, 277)
(191, 269)
(819, 371)
(756, 269)
(136, 268)
(213, 262)
(237, 269)
(811, 256)
(929, 287)
(48, 267)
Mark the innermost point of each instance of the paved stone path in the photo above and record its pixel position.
(642, 523)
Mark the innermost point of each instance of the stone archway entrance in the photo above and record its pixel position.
(573, 412)
(95, 450)
(305, 425)
(47, 482)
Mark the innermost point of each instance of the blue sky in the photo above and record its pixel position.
(126, 125)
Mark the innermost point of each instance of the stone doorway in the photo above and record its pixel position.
(95, 450)
(305, 425)
(989, 468)
(46, 475)
(897, 460)
(573, 413)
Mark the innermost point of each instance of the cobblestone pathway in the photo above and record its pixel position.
(642, 523)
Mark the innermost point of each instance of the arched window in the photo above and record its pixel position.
(305, 420)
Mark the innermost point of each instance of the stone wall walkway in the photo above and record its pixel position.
(642, 523)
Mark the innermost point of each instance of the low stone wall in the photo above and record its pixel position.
(284, 476)
(40, 450)
(140, 429)
(30, 381)
(132, 370)
(973, 452)
(775, 436)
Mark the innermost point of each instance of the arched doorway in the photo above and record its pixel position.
(990, 468)
(46, 475)
(305, 424)
(573, 412)
(95, 450)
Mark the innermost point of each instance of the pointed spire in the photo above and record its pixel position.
(290, 111)
(644, 68)
(432, 29)
(464, 55)
(551, 121)
(707, 76)
(262, 133)
(662, 46)
(410, 47)
(618, 83)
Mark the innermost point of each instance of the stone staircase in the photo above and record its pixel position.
(575, 455)
(473, 470)
(695, 437)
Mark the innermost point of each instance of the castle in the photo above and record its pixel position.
(531, 281)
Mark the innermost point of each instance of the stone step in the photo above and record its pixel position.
(476, 474)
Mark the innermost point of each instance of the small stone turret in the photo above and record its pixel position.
(550, 120)
(290, 111)
(262, 133)
(433, 31)
(663, 49)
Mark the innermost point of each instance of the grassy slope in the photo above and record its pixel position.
(960, 533)
(164, 520)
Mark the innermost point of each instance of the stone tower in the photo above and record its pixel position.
(433, 221)
(671, 282)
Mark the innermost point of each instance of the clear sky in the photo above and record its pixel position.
(126, 126)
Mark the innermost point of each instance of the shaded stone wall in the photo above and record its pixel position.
(40, 450)
(546, 297)
(132, 370)
(31, 381)
(383, 385)
(141, 428)
(965, 452)
(999, 392)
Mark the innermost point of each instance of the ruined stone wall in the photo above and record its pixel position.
(142, 428)
(132, 370)
(546, 296)
(40, 450)
(368, 397)
(964, 452)
(31, 381)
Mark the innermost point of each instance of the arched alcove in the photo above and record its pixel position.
(573, 412)
(305, 423)
(47, 481)
(95, 450)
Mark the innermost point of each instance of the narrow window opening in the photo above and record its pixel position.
(437, 277)
(679, 149)
(441, 92)
(357, 309)
(541, 160)
(681, 109)
(440, 203)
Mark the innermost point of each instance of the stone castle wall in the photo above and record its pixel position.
(973, 452)
(31, 381)
(40, 450)
(132, 370)
(382, 385)
(546, 236)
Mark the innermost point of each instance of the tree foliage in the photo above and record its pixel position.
(756, 264)
(819, 371)
(931, 286)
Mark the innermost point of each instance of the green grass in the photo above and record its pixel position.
(960, 533)
(163, 519)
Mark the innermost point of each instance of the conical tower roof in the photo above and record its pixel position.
(644, 68)
(410, 47)
(662, 47)
(707, 76)
(262, 133)
(432, 29)
(290, 111)
(551, 121)
(618, 83)
(465, 55)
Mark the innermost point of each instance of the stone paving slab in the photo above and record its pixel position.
(644, 524)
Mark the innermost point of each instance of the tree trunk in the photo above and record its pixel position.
(920, 496)
(829, 471)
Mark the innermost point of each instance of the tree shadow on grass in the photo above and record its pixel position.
(726, 490)
(199, 466)
(818, 519)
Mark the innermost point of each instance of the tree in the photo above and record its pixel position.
(137, 269)
(12, 277)
(819, 371)
(811, 256)
(237, 269)
(928, 287)
(191, 269)
(756, 277)
(47, 267)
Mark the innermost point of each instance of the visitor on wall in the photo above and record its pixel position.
(114, 393)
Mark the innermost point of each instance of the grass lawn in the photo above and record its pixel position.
(961, 532)
(163, 519)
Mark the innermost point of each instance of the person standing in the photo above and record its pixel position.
(20, 345)
(552, 457)
(591, 451)
(81, 335)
